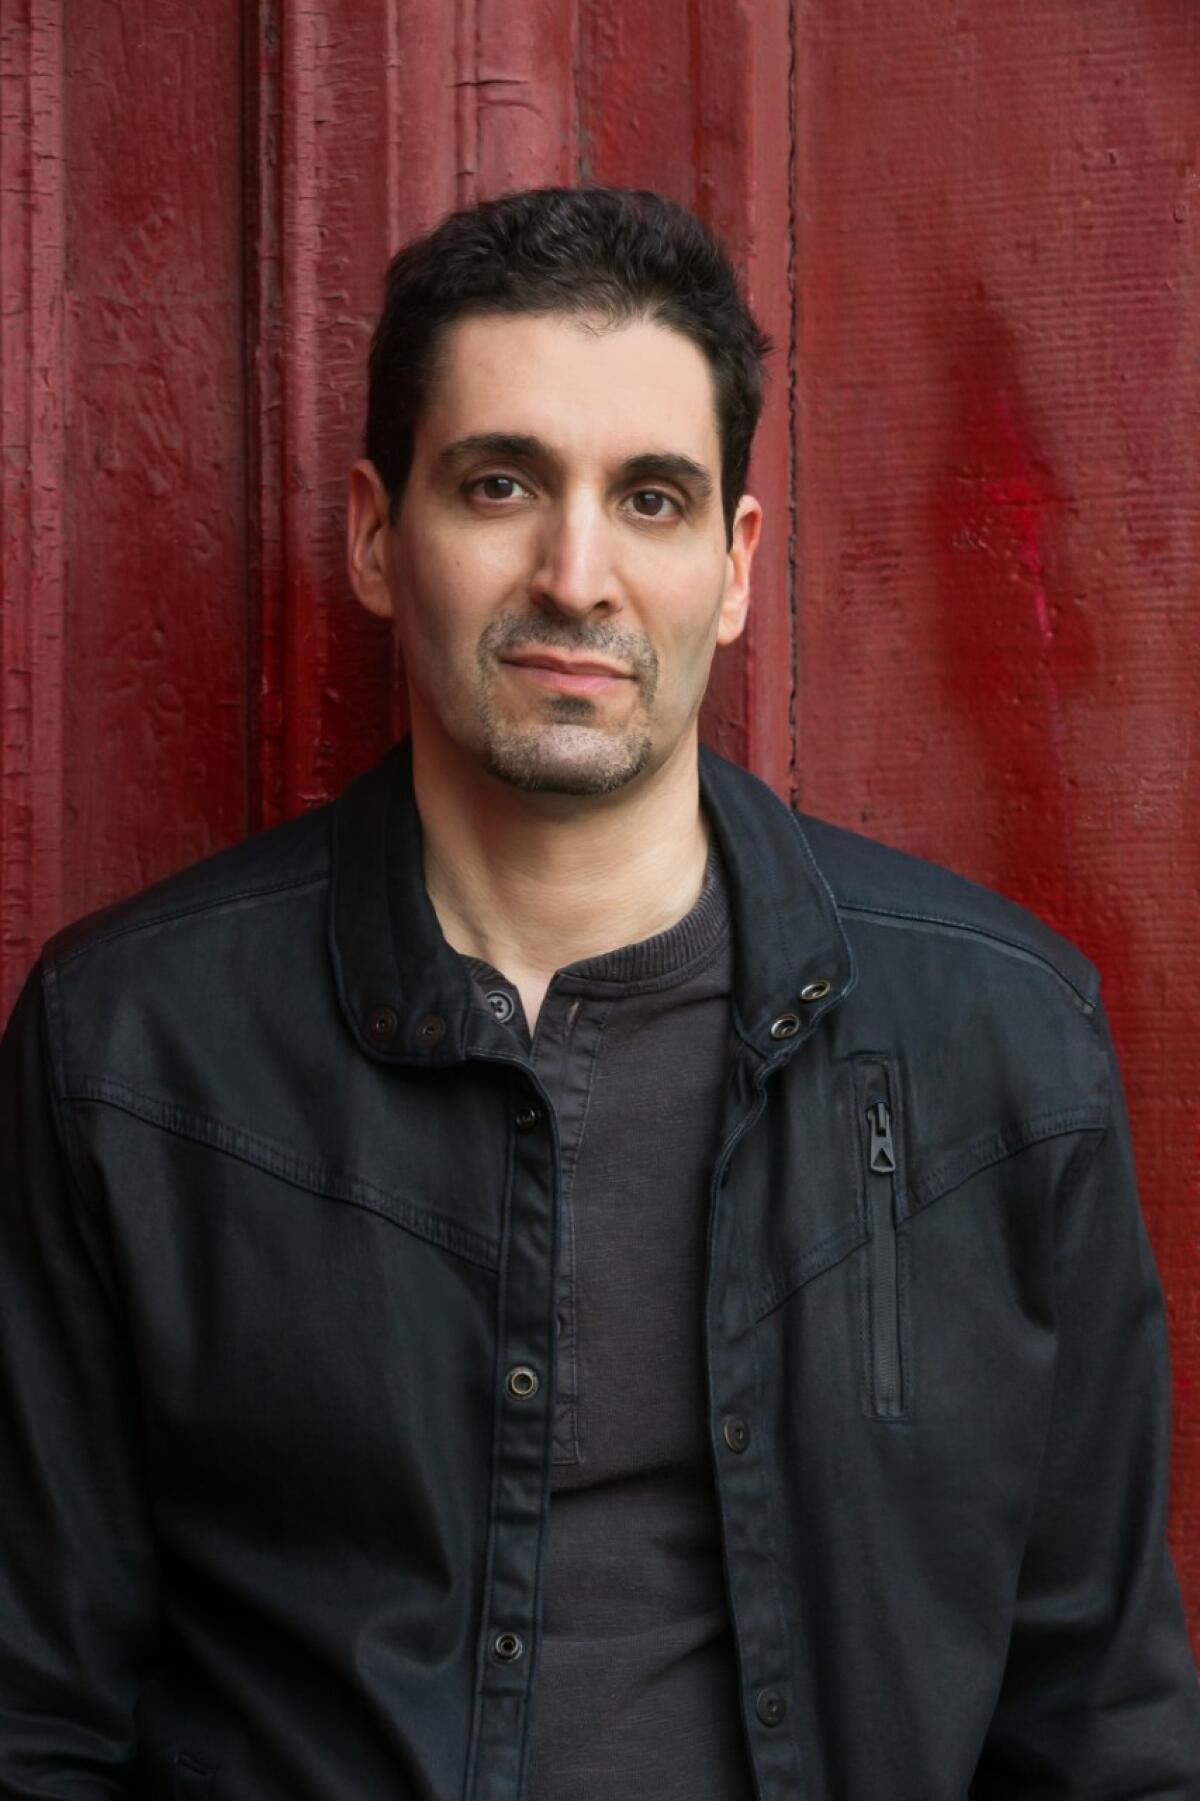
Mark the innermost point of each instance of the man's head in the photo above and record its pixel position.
(564, 386)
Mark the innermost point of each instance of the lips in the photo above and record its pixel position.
(582, 678)
(569, 666)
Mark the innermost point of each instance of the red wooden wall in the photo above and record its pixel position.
(972, 231)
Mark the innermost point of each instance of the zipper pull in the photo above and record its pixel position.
(883, 1155)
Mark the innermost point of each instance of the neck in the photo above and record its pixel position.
(533, 882)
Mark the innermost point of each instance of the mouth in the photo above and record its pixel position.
(568, 675)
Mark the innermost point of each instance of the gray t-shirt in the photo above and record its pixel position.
(636, 1688)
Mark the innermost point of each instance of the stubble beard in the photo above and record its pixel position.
(567, 750)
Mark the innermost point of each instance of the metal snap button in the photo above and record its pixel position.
(431, 1030)
(501, 1005)
(507, 1646)
(770, 1706)
(382, 1024)
(786, 1026)
(522, 1382)
(525, 1118)
(736, 1433)
(815, 991)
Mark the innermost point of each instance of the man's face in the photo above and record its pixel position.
(559, 571)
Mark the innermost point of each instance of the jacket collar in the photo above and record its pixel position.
(407, 997)
(788, 937)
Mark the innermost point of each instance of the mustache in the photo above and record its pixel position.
(512, 632)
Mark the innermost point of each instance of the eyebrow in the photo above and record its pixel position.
(496, 444)
(649, 465)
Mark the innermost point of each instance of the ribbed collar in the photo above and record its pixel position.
(671, 952)
(407, 995)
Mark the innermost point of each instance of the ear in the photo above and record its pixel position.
(735, 601)
(368, 547)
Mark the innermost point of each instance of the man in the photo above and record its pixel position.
(550, 1276)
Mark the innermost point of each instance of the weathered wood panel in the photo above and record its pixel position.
(151, 497)
(32, 581)
(327, 125)
(999, 407)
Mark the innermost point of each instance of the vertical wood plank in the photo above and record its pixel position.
(515, 81)
(32, 503)
(153, 468)
(998, 407)
(316, 104)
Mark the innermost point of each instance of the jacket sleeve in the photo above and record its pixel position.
(77, 1565)
(1099, 1697)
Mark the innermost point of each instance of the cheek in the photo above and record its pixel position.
(437, 611)
(458, 580)
(690, 613)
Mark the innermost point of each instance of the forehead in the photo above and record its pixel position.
(585, 388)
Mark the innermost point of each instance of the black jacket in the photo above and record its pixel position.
(278, 1219)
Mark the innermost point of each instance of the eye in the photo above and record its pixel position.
(496, 487)
(652, 503)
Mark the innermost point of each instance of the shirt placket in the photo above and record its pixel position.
(566, 1052)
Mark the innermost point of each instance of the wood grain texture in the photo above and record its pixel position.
(153, 468)
(322, 105)
(998, 411)
(32, 375)
(516, 96)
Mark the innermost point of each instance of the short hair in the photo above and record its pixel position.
(620, 253)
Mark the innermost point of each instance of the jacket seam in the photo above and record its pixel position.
(994, 1147)
(65, 1124)
(979, 1154)
(811, 858)
(62, 960)
(860, 909)
(313, 1177)
(834, 1248)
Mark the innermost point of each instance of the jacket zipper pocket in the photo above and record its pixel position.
(880, 1160)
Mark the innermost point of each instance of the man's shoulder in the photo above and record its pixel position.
(875, 885)
(253, 876)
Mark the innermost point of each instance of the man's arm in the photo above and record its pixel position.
(77, 1567)
(1100, 1698)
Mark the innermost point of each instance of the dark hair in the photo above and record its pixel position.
(621, 253)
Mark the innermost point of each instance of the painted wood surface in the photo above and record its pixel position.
(972, 234)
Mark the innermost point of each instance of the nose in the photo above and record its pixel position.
(574, 572)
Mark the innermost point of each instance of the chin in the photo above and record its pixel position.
(566, 760)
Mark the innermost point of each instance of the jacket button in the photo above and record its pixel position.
(815, 991)
(507, 1646)
(382, 1024)
(501, 1004)
(736, 1433)
(432, 1029)
(770, 1706)
(526, 1118)
(786, 1026)
(522, 1382)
